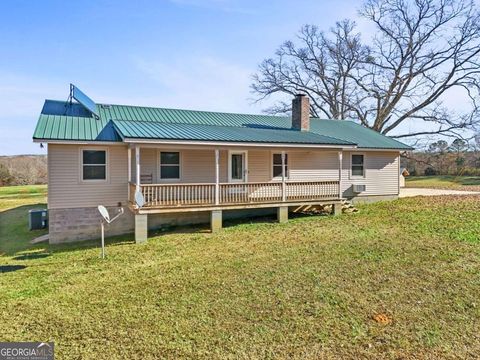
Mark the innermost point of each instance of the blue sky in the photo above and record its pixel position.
(196, 54)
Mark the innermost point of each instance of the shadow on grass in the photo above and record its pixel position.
(10, 268)
(264, 219)
(461, 180)
(204, 228)
(119, 240)
(31, 255)
(470, 181)
(14, 234)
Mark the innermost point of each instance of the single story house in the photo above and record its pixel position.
(200, 166)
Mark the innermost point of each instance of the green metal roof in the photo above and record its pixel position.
(130, 129)
(64, 121)
(360, 135)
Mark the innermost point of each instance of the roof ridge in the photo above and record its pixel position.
(210, 112)
(192, 110)
(260, 127)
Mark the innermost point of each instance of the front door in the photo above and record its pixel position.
(237, 167)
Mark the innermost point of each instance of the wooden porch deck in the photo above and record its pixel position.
(161, 198)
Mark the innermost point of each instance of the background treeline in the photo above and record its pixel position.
(442, 158)
(23, 170)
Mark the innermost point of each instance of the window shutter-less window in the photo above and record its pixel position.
(170, 165)
(94, 165)
(277, 165)
(358, 165)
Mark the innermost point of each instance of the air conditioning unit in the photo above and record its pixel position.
(359, 188)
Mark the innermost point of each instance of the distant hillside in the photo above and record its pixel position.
(23, 170)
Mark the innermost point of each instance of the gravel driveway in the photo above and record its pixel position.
(410, 192)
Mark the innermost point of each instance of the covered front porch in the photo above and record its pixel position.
(232, 178)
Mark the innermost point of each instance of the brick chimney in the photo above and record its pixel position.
(301, 112)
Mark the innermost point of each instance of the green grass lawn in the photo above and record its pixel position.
(15, 201)
(449, 182)
(308, 289)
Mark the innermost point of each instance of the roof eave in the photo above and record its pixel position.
(77, 141)
(236, 143)
(383, 149)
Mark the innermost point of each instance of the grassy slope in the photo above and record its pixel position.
(15, 201)
(305, 289)
(469, 183)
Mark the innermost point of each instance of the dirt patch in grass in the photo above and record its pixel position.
(382, 319)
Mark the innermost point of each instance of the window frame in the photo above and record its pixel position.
(81, 165)
(272, 165)
(363, 165)
(159, 164)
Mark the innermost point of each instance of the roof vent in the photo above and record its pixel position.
(105, 106)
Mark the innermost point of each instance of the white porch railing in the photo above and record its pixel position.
(197, 195)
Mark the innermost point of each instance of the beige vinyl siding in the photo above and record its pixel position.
(149, 157)
(197, 166)
(313, 165)
(381, 173)
(259, 166)
(67, 190)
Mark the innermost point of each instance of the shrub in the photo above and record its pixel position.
(429, 171)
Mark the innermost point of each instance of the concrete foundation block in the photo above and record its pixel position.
(337, 209)
(78, 224)
(282, 214)
(141, 228)
(215, 220)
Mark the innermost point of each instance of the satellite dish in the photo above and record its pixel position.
(139, 200)
(104, 212)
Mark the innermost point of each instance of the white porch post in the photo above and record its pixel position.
(340, 164)
(129, 171)
(217, 177)
(137, 167)
(284, 190)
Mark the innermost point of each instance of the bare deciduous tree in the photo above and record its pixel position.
(422, 50)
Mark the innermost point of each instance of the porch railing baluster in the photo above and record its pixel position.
(184, 195)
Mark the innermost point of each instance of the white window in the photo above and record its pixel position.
(358, 165)
(94, 165)
(169, 165)
(277, 165)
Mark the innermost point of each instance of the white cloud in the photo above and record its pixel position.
(202, 83)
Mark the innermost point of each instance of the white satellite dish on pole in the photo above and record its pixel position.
(106, 219)
(139, 199)
(104, 212)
